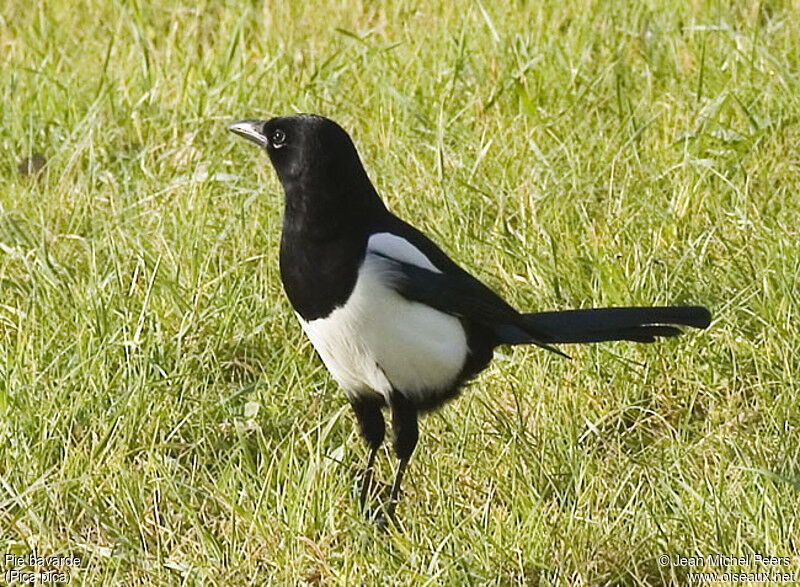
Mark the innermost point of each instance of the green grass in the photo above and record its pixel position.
(162, 416)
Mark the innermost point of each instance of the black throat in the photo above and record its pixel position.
(323, 243)
(331, 209)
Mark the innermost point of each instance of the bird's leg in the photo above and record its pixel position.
(366, 482)
(406, 434)
(391, 505)
(370, 422)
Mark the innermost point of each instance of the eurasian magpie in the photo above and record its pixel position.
(398, 323)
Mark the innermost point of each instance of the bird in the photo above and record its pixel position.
(399, 325)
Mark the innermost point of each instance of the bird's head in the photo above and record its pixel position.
(305, 149)
(326, 187)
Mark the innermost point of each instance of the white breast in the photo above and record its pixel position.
(379, 341)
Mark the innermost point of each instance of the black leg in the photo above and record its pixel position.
(370, 422)
(406, 434)
(366, 482)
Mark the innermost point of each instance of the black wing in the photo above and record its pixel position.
(460, 294)
(456, 292)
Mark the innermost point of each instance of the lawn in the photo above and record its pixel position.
(162, 416)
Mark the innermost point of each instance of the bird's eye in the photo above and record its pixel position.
(277, 138)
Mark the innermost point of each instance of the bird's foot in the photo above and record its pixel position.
(385, 515)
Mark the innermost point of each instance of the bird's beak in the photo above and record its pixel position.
(251, 130)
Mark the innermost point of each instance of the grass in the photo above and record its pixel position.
(164, 419)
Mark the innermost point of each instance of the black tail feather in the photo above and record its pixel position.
(605, 324)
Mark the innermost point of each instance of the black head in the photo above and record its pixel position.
(326, 187)
(306, 149)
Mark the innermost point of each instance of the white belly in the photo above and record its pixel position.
(379, 341)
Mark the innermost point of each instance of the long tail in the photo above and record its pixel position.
(603, 324)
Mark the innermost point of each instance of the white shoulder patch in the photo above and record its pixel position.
(396, 247)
